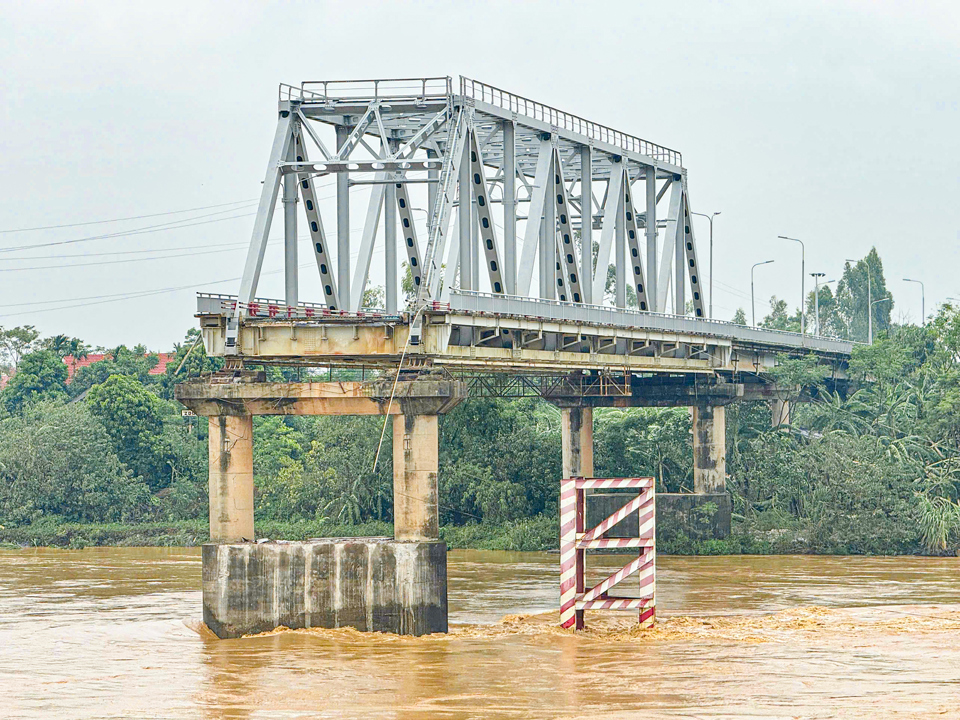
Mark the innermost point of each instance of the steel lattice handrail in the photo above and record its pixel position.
(537, 110)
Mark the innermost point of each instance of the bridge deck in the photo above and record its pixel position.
(506, 334)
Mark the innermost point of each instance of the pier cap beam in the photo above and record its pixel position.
(245, 396)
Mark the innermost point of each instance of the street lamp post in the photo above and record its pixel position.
(753, 302)
(923, 301)
(710, 218)
(816, 299)
(803, 273)
(870, 326)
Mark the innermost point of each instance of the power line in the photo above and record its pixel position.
(243, 243)
(131, 217)
(137, 295)
(161, 227)
(174, 225)
(116, 262)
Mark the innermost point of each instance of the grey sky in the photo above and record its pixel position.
(835, 122)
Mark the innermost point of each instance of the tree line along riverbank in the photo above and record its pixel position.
(107, 458)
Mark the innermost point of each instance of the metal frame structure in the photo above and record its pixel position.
(548, 206)
(479, 146)
(576, 540)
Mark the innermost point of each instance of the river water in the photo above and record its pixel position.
(116, 632)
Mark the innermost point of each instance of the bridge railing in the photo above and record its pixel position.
(368, 90)
(574, 123)
(490, 303)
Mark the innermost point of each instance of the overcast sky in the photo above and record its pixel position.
(835, 122)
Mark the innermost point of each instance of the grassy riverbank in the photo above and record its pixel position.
(532, 534)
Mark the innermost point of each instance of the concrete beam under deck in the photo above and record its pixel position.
(319, 398)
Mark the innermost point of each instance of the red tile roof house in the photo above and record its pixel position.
(73, 364)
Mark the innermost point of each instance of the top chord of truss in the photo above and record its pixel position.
(405, 102)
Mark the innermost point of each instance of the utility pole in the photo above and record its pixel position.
(710, 218)
(753, 301)
(923, 301)
(803, 273)
(816, 298)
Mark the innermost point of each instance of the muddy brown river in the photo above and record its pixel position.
(116, 632)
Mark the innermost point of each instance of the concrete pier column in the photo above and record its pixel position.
(779, 412)
(231, 478)
(416, 463)
(576, 434)
(709, 449)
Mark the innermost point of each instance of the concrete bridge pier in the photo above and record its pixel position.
(396, 585)
(576, 437)
(709, 449)
(416, 463)
(779, 412)
(231, 478)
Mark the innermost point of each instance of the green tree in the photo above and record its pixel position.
(15, 343)
(499, 460)
(779, 317)
(610, 289)
(739, 317)
(645, 441)
(831, 321)
(41, 374)
(852, 297)
(374, 297)
(57, 460)
(132, 416)
(120, 361)
(191, 359)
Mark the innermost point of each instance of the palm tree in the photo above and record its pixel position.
(60, 344)
(77, 349)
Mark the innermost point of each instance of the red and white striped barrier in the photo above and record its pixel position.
(575, 540)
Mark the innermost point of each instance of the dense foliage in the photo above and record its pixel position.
(876, 470)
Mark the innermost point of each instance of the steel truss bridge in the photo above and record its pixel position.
(546, 203)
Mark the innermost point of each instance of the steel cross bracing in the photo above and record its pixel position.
(515, 278)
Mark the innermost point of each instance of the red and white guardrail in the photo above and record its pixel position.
(272, 309)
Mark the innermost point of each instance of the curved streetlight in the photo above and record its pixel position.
(710, 218)
(923, 301)
(753, 302)
(803, 273)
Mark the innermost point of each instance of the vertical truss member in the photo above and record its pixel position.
(318, 238)
(569, 274)
(633, 247)
(488, 231)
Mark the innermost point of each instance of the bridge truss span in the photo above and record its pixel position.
(497, 233)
